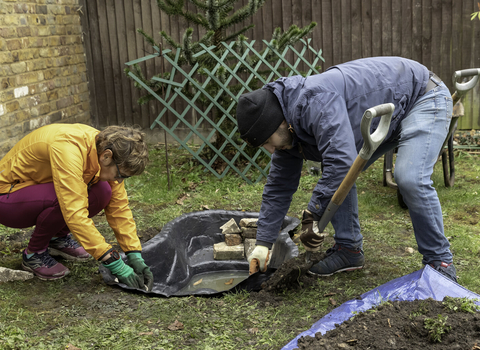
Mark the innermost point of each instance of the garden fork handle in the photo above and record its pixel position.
(462, 88)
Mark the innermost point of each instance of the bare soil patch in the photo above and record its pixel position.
(402, 325)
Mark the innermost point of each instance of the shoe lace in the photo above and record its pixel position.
(444, 270)
(46, 259)
(439, 266)
(69, 242)
(332, 250)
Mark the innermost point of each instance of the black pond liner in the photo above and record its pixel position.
(184, 249)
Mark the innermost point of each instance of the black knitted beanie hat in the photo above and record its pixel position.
(259, 115)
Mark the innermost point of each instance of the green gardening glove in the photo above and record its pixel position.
(136, 261)
(125, 274)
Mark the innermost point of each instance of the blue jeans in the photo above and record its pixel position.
(419, 140)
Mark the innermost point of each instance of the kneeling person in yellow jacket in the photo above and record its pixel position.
(57, 178)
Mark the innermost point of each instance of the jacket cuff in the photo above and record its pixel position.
(103, 255)
(265, 244)
(317, 213)
(133, 251)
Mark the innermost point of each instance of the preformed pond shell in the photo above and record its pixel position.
(182, 252)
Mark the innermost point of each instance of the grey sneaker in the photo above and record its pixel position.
(44, 266)
(68, 248)
(446, 269)
(338, 259)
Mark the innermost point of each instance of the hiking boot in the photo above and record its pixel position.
(446, 269)
(44, 266)
(68, 248)
(338, 259)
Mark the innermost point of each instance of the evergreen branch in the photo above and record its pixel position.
(199, 4)
(138, 72)
(243, 13)
(294, 34)
(147, 37)
(170, 7)
(241, 31)
(170, 40)
(196, 18)
(206, 40)
(187, 49)
(178, 3)
(220, 5)
(212, 15)
(287, 35)
(224, 12)
(277, 34)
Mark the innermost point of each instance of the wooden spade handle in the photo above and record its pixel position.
(370, 144)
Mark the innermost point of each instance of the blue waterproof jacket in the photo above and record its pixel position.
(325, 111)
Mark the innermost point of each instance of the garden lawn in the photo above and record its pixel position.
(80, 311)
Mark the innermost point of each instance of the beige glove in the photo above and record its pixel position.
(258, 260)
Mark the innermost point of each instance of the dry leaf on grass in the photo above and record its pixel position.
(175, 326)
(332, 301)
(181, 199)
(253, 330)
(71, 347)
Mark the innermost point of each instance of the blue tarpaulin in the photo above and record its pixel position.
(419, 285)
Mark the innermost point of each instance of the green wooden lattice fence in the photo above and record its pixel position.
(264, 71)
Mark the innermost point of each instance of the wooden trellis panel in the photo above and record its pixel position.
(234, 76)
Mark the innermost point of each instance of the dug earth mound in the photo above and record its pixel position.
(420, 324)
(291, 275)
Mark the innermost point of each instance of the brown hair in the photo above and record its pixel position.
(128, 146)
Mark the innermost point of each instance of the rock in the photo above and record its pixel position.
(230, 227)
(249, 244)
(409, 250)
(221, 251)
(249, 232)
(248, 222)
(232, 239)
(7, 275)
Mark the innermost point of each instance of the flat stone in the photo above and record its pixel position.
(248, 222)
(249, 244)
(221, 251)
(249, 232)
(230, 227)
(7, 275)
(232, 239)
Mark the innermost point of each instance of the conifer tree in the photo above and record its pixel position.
(216, 17)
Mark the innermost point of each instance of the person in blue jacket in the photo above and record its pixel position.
(318, 118)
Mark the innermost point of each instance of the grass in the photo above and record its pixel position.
(82, 311)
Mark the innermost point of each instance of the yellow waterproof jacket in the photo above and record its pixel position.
(66, 155)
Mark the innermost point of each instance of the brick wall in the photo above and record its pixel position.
(43, 76)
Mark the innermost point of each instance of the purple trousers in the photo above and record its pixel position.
(38, 205)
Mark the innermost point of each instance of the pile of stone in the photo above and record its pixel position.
(239, 240)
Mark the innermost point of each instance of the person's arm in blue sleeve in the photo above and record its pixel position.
(327, 120)
(283, 180)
